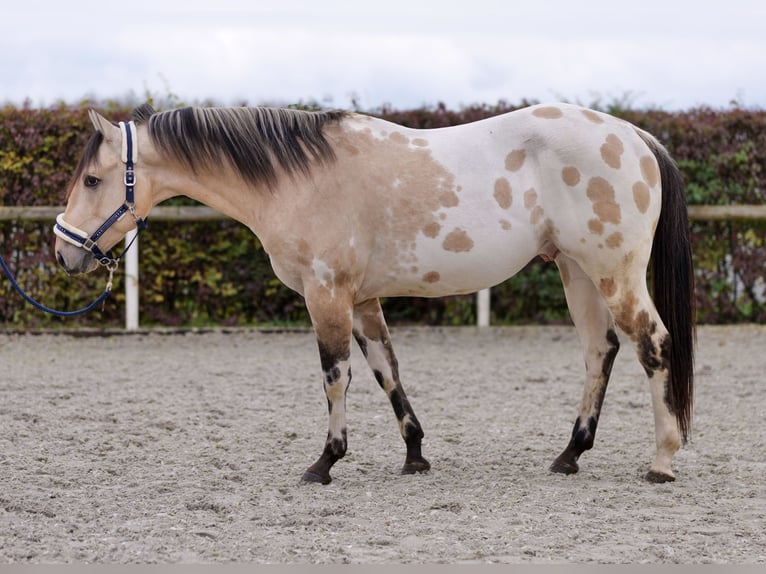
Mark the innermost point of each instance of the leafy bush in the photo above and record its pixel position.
(217, 273)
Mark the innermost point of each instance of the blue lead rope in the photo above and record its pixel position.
(42, 307)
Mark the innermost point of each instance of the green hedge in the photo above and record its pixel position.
(217, 273)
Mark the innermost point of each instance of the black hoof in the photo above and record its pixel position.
(415, 466)
(309, 476)
(658, 477)
(564, 466)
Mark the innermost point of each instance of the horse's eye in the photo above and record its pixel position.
(91, 181)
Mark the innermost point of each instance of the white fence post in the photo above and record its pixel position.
(482, 308)
(131, 282)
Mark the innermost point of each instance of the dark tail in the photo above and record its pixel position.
(673, 284)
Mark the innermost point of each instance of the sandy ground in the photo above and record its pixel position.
(161, 447)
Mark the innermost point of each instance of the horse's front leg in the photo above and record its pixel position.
(331, 316)
(371, 333)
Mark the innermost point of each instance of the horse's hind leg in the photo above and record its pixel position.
(595, 328)
(371, 333)
(637, 316)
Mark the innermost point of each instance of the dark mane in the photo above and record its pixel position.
(254, 141)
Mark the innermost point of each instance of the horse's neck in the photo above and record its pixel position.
(222, 191)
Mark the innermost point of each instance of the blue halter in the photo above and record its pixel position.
(81, 238)
(75, 236)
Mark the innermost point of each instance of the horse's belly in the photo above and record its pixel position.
(455, 265)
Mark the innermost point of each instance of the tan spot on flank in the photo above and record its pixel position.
(505, 224)
(614, 240)
(607, 287)
(596, 226)
(396, 137)
(503, 194)
(548, 113)
(536, 214)
(515, 159)
(601, 193)
(649, 170)
(530, 198)
(420, 142)
(457, 241)
(449, 199)
(571, 176)
(431, 277)
(641, 196)
(612, 150)
(593, 116)
(432, 229)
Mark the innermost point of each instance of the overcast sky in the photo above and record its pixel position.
(673, 54)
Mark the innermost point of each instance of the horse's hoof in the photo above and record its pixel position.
(656, 477)
(564, 466)
(309, 476)
(415, 466)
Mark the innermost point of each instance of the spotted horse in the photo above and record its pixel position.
(351, 208)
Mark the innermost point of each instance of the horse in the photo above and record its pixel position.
(351, 208)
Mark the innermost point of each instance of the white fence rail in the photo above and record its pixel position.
(202, 213)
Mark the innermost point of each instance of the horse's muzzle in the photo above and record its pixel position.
(75, 260)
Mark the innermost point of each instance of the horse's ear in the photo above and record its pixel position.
(101, 124)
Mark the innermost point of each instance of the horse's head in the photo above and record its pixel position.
(106, 198)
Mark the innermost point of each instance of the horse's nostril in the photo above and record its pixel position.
(60, 259)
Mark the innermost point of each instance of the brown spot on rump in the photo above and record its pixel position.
(596, 226)
(595, 117)
(601, 193)
(650, 171)
(420, 142)
(612, 150)
(515, 159)
(432, 277)
(432, 229)
(505, 224)
(530, 198)
(548, 113)
(503, 194)
(614, 240)
(607, 287)
(641, 195)
(396, 137)
(457, 241)
(570, 175)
